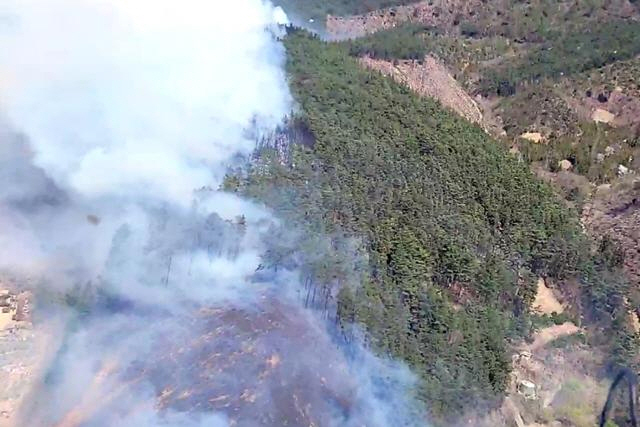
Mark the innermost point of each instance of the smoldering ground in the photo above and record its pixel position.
(119, 120)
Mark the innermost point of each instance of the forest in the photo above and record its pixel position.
(450, 230)
(527, 80)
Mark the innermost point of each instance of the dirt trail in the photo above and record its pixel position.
(552, 333)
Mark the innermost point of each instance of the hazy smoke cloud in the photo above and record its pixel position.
(120, 118)
(132, 102)
(140, 99)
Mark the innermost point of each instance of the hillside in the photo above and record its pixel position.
(563, 98)
(386, 213)
(454, 230)
(523, 21)
(556, 83)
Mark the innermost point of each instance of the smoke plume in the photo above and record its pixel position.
(119, 120)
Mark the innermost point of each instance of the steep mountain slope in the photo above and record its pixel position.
(564, 98)
(562, 79)
(455, 231)
(404, 214)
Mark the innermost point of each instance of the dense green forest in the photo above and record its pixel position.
(453, 231)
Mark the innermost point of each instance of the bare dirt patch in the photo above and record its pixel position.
(567, 390)
(535, 137)
(602, 116)
(546, 302)
(431, 78)
(610, 94)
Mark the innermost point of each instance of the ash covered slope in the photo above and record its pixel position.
(130, 113)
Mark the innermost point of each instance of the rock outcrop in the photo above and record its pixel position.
(602, 116)
(565, 165)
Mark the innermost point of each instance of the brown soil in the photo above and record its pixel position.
(546, 302)
(550, 368)
(612, 88)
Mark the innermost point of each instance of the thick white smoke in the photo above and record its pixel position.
(139, 99)
(119, 118)
(127, 103)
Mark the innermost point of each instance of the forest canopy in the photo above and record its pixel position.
(455, 230)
